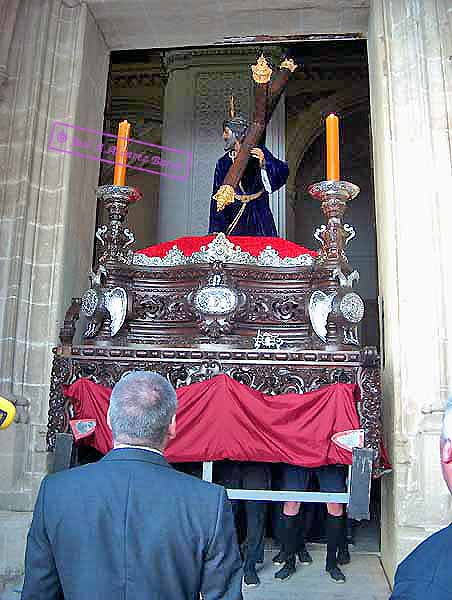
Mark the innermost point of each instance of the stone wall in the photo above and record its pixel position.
(47, 209)
(410, 50)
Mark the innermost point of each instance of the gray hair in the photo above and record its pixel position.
(446, 433)
(142, 405)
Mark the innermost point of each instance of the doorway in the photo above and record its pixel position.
(333, 77)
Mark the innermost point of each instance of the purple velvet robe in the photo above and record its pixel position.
(257, 218)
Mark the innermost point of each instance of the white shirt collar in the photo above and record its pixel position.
(147, 448)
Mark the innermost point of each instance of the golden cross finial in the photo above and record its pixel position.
(261, 71)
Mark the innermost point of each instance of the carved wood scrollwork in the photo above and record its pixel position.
(146, 306)
(71, 317)
(157, 307)
(281, 380)
(274, 307)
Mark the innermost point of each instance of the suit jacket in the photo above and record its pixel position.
(130, 527)
(426, 573)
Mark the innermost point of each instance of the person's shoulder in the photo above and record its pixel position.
(435, 542)
(197, 485)
(425, 572)
(427, 554)
(64, 478)
(64, 483)
(442, 536)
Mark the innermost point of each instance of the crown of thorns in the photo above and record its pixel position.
(238, 126)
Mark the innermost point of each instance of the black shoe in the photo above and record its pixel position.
(343, 557)
(304, 557)
(287, 571)
(278, 559)
(336, 574)
(251, 578)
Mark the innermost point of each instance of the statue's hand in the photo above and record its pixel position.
(258, 153)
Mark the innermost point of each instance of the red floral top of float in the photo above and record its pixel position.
(262, 251)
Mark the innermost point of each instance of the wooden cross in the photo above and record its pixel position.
(267, 95)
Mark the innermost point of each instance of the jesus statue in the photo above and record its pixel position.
(250, 213)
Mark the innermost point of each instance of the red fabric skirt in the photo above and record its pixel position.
(223, 419)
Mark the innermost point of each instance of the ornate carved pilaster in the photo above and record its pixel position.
(47, 213)
(369, 382)
(71, 317)
(58, 419)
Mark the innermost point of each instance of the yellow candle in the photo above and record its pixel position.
(121, 153)
(332, 147)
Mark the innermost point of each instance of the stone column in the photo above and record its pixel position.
(196, 102)
(411, 102)
(47, 209)
(291, 196)
(8, 16)
(276, 143)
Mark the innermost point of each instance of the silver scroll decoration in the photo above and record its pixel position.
(220, 249)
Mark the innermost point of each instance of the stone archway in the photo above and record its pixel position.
(355, 160)
(309, 123)
(308, 127)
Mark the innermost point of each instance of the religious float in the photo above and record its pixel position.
(215, 313)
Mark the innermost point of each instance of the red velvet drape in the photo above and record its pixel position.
(90, 401)
(221, 418)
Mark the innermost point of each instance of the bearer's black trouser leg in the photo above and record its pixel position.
(255, 531)
(335, 531)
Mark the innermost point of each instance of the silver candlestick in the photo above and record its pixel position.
(115, 237)
(334, 236)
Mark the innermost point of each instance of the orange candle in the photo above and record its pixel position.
(332, 147)
(121, 153)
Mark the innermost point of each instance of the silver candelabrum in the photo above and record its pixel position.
(334, 236)
(335, 309)
(115, 237)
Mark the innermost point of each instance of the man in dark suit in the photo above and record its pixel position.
(130, 526)
(426, 572)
